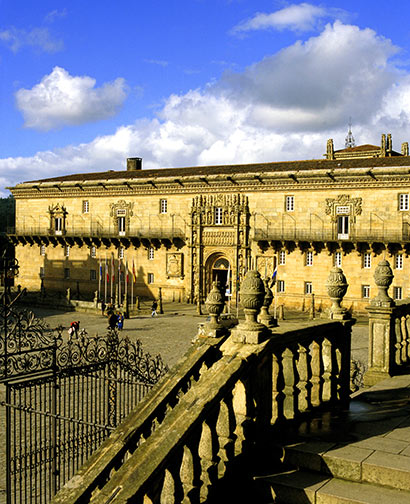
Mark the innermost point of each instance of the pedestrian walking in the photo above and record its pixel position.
(154, 309)
(102, 308)
(112, 321)
(120, 321)
(75, 325)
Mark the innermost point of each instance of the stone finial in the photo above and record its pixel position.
(265, 317)
(214, 303)
(330, 150)
(336, 288)
(383, 146)
(252, 295)
(405, 148)
(383, 277)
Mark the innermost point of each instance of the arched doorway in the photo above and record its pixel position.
(218, 269)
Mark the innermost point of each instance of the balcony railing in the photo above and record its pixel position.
(325, 235)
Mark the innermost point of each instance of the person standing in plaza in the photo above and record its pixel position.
(120, 321)
(154, 309)
(112, 321)
(102, 308)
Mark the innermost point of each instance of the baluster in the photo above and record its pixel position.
(327, 370)
(277, 403)
(403, 340)
(290, 379)
(168, 489)
(316, 369)
(408, 337)
(225, 427)
(243, 418)
(397, 346)
(208, 461)
(302, 385)
(187, 475)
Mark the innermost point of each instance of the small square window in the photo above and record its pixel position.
(403, 202)
(67, 251)
(121, 253)
(397, 293)
(309, 259)
(66, 273)
(337, 259)
(218, 215)
(281, 285)
(308, 288)
(42, 250)
(365, 291)
(163, 206)
(289, 203)
(86, 206)
(150, 278)
(93, 252)
(367, 260)
(151, 253)
(282, 258)
(93, 275)
(398, 261)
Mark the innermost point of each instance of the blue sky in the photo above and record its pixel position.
(83, 85)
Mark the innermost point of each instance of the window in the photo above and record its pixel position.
(93, 252)
(218, 215)
(289, 203)
(308, 288)
(67, 251)
(367, 260)
(42, 250)
(66, 273)
(309, 259)
(41, 271)
(58, 225)
(397, 293)
(282, 258)
(343, 227)
(163, 206)
(337, 259)
(121, 253)
(121, 225)
(398, 261)
(86, 206)
(366, 291)
(403, 202)
(150, 278)
(151, 253)
(281, 285)
(93, 275)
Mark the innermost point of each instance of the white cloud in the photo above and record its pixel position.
(162, 63)
(297, 17)
(60, 100)
(55, 14)
(284, 107)
(38, 38)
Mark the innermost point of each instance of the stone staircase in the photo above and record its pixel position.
(360, 456)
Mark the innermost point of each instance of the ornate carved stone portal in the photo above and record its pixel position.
(219, 223)
(343, 205)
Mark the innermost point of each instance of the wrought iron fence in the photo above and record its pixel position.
(62, 399)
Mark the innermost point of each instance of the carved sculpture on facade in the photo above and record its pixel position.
(343, 205)
(175, 265)
(121, 209)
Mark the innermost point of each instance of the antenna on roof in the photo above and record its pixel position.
(349, 140)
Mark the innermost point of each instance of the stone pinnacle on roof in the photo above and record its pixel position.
(349, 140)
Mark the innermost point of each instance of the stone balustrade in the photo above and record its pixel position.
(263, 377)
(389, 330)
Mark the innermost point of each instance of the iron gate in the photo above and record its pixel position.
(62, 399)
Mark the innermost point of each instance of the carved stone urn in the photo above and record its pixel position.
(336, 288)
(215, 303)
(252, 295)
(265, 317)
(383, 277)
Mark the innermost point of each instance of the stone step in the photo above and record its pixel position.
(302, 487)
(362, 461)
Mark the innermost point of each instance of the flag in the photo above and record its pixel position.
(101, 274)
(106, 270)
(228, 282)
(126, 271)
(134, 276)
(112, 269)
(275, 271)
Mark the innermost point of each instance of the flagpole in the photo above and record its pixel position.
(276, 288)
(132, 285)
(105, 280)
(112, 277)
(119, 281)
(126, 282)
(99, 281)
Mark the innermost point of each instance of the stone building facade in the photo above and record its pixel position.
(137, 230)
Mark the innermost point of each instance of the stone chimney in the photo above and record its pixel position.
(134, 163)
(405, 148)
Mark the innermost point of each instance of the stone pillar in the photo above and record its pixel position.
(336, 288)
(381, 328)
(265, 317)
(252, 294)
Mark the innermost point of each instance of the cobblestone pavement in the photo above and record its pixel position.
(169, 335)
